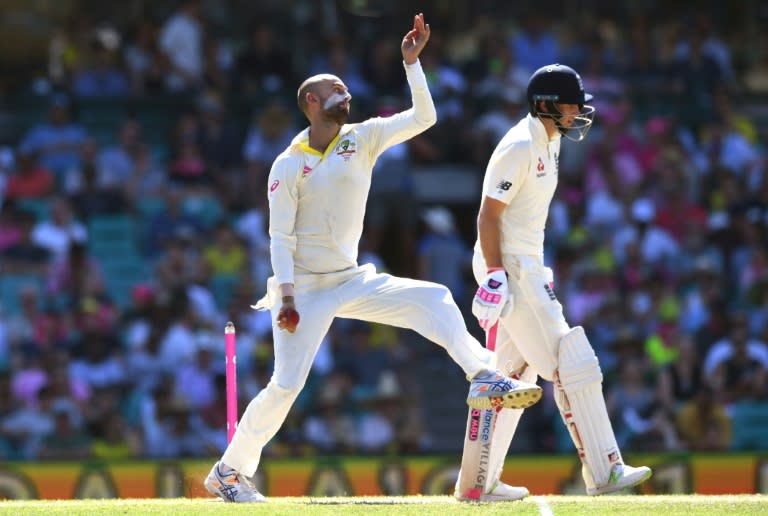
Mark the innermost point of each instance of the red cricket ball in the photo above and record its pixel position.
(288, 320)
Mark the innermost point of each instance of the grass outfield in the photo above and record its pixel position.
(666, 505)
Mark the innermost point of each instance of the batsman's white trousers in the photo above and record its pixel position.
(536, 322)
(357, 293)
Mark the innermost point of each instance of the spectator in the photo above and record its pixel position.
(226, 254)
(143, 61)
(7, 166)
(169, 223)
(30, 181)
(264, 67)
(443, 256)
(219, 140)
(115, 440)
(736, 362)
(392, 204)
(181, 47)
(271, 130)
(68, 276)
(57, 141)
(60, 230)
(703, 424)
(737, 367)
(681, 380)
(656, 246)
(94, 196)
(26, 426)
(65, 441)
(330, 427)
(195, 381)
(188, 168)
(26, 256)
(117, 164)
(102, 76)
(535, 45)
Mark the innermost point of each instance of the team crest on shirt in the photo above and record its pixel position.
(540, 168)
(346, 148)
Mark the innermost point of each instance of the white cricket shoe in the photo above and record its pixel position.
(500, 492)
(492, 389)
(230, 486)
(621, 476)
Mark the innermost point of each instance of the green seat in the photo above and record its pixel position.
(207, 210)
(109, 229)
(38, 207)
(750, 426)
(148, 207)
(223, 288)
(107, 226)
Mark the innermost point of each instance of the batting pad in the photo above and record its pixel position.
(581, 402)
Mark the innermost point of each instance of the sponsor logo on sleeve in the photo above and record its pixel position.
(504, 185)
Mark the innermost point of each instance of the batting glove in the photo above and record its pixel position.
(492, 299)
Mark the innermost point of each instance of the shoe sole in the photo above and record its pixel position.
(211, 489)
(208, 483)
(618, 486)
(492, 498)
(215, 491)
(518, 399)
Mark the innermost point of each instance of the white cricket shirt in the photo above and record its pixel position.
(317, 200)
(522, 173)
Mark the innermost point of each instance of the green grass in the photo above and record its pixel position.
(666, 505)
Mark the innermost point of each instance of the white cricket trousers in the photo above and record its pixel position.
(536, 322)
(358, 293)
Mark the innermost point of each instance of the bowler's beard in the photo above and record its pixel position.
(337, 114)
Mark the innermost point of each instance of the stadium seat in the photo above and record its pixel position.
(206, 210)
(38, 207)
(750, 425)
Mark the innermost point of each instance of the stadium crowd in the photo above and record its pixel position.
(133, 222)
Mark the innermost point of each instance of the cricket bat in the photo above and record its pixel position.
(477, 443)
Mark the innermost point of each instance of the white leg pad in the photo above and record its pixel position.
(582, 405)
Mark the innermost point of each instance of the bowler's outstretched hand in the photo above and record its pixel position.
(414, 42)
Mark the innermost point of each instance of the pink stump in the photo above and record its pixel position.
(231, 374)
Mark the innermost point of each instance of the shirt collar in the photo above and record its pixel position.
(538, 131)
(301, 141)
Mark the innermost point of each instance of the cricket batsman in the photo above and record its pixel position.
(318, 189)
(516, 302)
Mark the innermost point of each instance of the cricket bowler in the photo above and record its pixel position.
(317, 191)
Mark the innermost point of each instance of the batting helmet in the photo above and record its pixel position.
(559, 84)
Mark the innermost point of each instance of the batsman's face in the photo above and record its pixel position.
(569, 113)
(335, 99)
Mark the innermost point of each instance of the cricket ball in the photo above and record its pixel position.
(290, 319)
